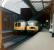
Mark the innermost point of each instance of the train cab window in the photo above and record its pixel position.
(16, 24)
(31, 23)
(19, 24)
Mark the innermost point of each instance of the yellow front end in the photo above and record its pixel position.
(22, 26)
(19, 28)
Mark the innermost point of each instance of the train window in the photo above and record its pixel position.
(15, 24)
(19, 24)
(23, 23)
(32, 23)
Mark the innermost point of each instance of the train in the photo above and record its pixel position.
(27, 23)
(31, 26)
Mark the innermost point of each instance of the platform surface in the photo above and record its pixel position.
(41, 41)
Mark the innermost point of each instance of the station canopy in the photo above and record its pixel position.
(16, 5)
